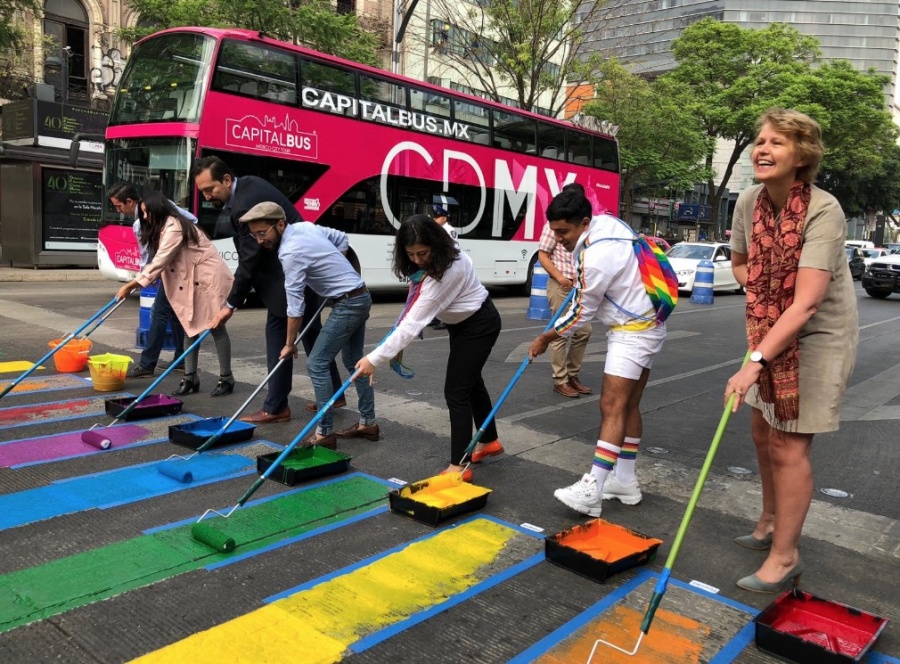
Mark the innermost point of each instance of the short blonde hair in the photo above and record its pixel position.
(805, 131)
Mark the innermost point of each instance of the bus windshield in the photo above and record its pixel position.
(164, 80)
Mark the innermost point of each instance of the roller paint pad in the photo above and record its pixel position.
(176, 471)
(214, 539)
(96, 439)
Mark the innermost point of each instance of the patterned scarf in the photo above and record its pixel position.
(415, 287)
(773, 260)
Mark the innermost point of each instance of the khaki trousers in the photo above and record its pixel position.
(566, 355)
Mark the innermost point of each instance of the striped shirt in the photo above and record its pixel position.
(607, 272)
(559, 255)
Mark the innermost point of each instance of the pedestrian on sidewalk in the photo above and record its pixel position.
(443, 284)
(260, 271)
(195, 278)
(787, 251)
(315, 257)
(608, 286)
(125, 199)
(566, 355)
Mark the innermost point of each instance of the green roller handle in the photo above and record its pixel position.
(663, 581)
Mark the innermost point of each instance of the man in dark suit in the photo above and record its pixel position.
(259, 270)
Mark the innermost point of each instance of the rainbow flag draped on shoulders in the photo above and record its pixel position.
(658, 275)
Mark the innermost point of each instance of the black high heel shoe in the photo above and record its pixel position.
(190, 383)
(224, 386)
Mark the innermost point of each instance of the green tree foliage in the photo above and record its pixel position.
(733, 75)
(12, 35)
(312, 23)
(660, 141)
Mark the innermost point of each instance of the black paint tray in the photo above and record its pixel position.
(598, 549)
(155, 405)
(304, 463)
(194, 434)
(437, 499)
(800, 627)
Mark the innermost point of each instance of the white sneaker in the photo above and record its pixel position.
(583, 496)
(627, 492)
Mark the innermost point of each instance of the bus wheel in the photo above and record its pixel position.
(525, 289)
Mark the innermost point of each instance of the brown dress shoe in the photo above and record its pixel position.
(329, 441)
(370, 432)
(566, 390)
(312, 406)
(262, 417)
(578, 386)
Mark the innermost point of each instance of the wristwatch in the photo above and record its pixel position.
(757, 357)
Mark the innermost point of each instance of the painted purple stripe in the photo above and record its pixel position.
(45, 448)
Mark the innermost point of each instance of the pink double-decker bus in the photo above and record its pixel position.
(353, 147)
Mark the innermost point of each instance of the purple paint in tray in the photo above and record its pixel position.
(155, 405)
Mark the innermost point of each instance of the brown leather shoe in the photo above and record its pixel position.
(328, 442)
(369, 432)
(262, 417)
(566, 390)
(578, 386)
(312, 406)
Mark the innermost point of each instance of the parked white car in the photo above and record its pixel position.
(871, 255)
(686, 256)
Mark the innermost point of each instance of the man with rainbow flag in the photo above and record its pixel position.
(625, 282)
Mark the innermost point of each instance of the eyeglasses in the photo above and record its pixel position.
(261, 235)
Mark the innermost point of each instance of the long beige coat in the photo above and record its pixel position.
(196, 279)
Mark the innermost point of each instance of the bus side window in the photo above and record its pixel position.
(606, 154)
(256, 71)
(328, 88)
(515, 132)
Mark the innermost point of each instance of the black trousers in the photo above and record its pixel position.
(467, 397)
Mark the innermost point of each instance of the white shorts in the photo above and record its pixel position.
(629, 353)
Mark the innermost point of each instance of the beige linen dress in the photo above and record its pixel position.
(196, 278)
(829, 339)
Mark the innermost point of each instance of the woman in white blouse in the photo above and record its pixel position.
(443, 285)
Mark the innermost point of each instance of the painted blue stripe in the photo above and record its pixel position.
(583, 619)
(110, 488)
(258, 501)
(736, 646)
(120, 395)
(389, 632)
(719, 598)
(299, 538)
(879, 658)
(524, 531)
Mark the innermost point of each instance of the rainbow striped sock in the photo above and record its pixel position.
(627, 460)
(604, 459)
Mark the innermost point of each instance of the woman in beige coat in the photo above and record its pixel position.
(196, 281)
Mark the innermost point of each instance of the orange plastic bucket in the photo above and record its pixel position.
(73, 357)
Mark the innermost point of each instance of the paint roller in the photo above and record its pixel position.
(216, 539)
(97, 320)
(98, 439)
(172, 467)
(663, 581)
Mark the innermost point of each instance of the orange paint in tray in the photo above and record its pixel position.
(598, 549)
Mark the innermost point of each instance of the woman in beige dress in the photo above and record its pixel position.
(802, 328)
(196, 279)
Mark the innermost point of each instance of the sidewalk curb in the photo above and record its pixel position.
(12, 274)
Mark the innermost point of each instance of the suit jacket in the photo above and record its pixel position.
(257, 267)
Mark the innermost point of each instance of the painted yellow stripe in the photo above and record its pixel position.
(18, 365)
(319, 624)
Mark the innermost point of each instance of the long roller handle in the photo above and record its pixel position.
(306, 430)
(663, 581)
(165, 373)
(102, 320)
(512, 383)
(218, 434)
(66, 339)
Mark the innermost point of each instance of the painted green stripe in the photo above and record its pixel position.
(52, 588)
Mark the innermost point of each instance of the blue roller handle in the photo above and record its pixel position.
(63, 342)
(165, 373)
(512, 383)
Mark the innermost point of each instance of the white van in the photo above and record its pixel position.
(860, 244)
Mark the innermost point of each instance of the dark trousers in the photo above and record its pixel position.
(467, 397)
(276, 334)
(161, 315)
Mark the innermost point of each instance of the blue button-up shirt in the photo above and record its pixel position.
(313, 256)
(136, 229)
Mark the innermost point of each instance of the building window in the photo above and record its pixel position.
(346, 6)
(66, 63)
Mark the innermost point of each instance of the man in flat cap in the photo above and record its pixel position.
(314, 256)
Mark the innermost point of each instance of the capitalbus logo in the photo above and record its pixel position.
(268, 134)
(128, 259)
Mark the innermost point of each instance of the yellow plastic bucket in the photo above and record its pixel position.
(108, 371)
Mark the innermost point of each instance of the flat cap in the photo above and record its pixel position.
(266, 211)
